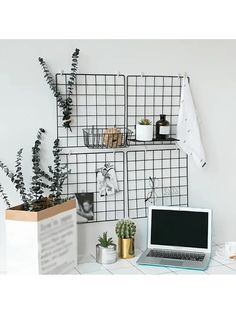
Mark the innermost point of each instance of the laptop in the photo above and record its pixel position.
(178, 237)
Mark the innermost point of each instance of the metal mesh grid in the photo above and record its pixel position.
(98, 102)
(83, 178)
(149, 96)
(169, 167)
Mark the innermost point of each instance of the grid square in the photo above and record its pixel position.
(164, 186)
(92, 94)
(155, 96)
(84, 179)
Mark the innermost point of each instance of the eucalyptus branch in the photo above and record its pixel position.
(46, 175)
(64, 104)
(7, 171)
(59, 173)
(19, 179)
(34, 199)
(36, 184)
(4, 196)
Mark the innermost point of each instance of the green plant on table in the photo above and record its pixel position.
(104, 241)
(125, 229)
(145, 121)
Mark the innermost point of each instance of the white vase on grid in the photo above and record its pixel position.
(144, 132)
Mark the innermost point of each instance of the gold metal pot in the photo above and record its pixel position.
(126, 248)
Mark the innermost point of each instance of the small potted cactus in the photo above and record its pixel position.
(125, 230)
(144, 130)
(105, 250)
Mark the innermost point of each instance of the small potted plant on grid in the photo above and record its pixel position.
(125, 230)
(144, 130)
(105, 250)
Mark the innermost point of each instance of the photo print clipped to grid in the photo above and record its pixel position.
(168, 170)
(98, 102)
(83, 179)
(148, 96)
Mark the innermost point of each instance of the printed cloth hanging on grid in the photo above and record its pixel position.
(188, 132)
(107, 180)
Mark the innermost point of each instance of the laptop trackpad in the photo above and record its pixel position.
(171, 262)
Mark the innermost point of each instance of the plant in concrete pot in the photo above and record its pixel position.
(105, 250)
(144, 130)
(40, 232)
(125, 230)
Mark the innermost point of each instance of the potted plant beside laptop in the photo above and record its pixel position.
(125, 230)
(105, 250)
(40, 232)
(144, 130)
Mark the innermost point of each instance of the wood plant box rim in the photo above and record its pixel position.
(16, 213)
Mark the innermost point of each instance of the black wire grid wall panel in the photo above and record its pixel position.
(149, 96)
(168, 168)
(98, 102)
(83, 178)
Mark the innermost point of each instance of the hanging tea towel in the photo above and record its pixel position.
(188, 132)
(107, 181)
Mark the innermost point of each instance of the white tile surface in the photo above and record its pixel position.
(74, 272)
(121, 263)
(100, 272)
(214, 263)
(232, 266)
(180, 271)
(223, 261)
(87, 268)
(153, 270)
(126, 271)
(85, 259)
(220, 270)
(88, 265)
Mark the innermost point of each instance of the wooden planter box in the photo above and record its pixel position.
(43, 242)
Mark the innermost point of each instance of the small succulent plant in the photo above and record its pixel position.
(125, 229)
(145, 121)
(104, 241)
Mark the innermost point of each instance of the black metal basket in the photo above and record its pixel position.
(107, 137)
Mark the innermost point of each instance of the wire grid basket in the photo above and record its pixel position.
(106, 137)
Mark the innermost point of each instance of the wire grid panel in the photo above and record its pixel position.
(149, 96)
(83, 178)
(168, 168)
(98, 102)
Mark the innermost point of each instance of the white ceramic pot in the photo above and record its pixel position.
(43, 242)
(144, 132)
(106, 255)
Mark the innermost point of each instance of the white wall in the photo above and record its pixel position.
(27, 104)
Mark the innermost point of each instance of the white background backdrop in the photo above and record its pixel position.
(27, 104)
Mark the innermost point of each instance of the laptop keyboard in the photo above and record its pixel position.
(187, 256)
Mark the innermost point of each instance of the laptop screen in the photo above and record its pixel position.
(179, 228)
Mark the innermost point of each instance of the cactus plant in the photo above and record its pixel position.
(104, 241)
(125, 229)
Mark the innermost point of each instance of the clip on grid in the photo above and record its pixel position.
(83, 178)
(156, 178)
(148, 96)
(98, 103)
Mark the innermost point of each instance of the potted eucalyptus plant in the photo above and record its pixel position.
(41, 232)
(105, 250)
(125, 230)
(144, 130)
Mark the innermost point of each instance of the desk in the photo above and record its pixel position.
(88, 266)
